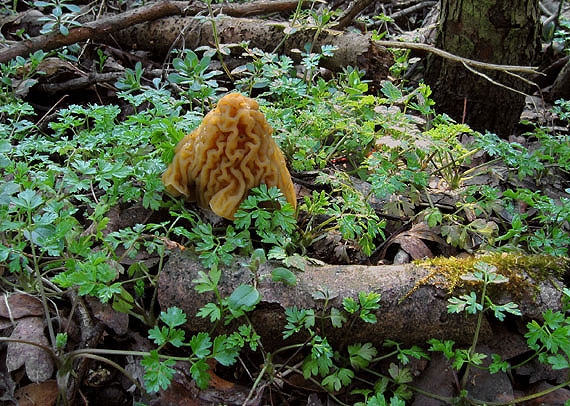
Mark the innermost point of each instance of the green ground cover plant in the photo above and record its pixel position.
(60, 184)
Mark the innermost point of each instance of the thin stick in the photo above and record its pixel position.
(512, 89)
(458, 59)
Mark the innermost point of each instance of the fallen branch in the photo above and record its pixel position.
(412, 9)
(411, 309)
(353, 49)
(158, 37)
(95, 29)
(250, 9)
(351, 12)
(80, 82)
(103, 27)
(454, 58)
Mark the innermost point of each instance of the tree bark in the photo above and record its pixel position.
(410, 311)
(494, 31)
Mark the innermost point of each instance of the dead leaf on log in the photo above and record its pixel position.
(413, 245)
(39, 365)
(20, 305)
(388, 141)
(55, 66)
(37, 394)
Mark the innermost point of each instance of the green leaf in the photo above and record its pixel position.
(27, 199)
(210, 310)
(368, 317)
(399, 375)
(360, 355)
(158, 374)
(173, 317)
(377, 400)
(298, 319)
(332, 383)
(337, 318)
(390, 91)
(433, 217)
(176, 337)
(350, 305)
(223, 352)
(477, 358)
(414, 351)
(244, 296)
(498, 364)
(7, 190)
(395, 401)
(499, 310)
(281, 274)
(207, 282)
(159, 336)
(199, 371)
(464, 302)
(200, 344)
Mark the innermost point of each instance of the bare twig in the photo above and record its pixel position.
(352, 11)
(254, 7)
(486, 77)
(458, 59)
(81, 82)
(412, 9)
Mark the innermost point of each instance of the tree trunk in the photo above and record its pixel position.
(493, 31)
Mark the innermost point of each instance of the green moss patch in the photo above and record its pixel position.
(523, 271)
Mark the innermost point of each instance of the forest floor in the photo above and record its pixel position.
(411, 232)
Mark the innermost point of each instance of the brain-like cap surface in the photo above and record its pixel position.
(230, 152)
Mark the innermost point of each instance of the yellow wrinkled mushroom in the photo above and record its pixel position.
(229, 153)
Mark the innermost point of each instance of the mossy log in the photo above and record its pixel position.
(413, 305)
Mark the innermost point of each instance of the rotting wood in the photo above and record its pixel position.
(411, 319)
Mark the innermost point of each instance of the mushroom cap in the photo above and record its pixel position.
(229, 153)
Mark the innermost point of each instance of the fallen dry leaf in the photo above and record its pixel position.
(38, 363)
(37, 394)
(413, 246)
(4, 323)
(7, 388)
(20, 305)
(117, 321)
